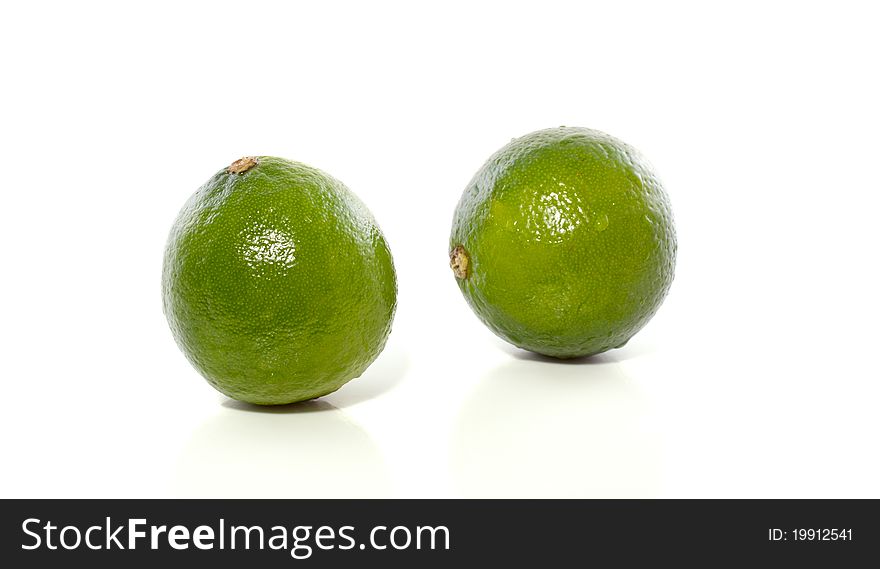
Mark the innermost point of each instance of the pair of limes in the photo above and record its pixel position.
(279, 286)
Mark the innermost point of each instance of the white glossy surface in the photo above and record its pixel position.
(757, 378)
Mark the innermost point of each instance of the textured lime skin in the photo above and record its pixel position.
(277, 283)
(570, 242)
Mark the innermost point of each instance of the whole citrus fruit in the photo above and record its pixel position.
(563, 242)
(277, 283)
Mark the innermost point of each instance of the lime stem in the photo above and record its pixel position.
(459, 261)
(242, 165)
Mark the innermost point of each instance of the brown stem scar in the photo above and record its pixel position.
(242, 165)
(459, 261)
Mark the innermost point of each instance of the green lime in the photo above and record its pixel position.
(563, 242)
(277, 283)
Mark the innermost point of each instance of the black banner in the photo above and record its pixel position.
(435, 533)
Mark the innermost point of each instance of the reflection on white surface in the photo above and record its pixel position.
(542, 428)
(306, 450)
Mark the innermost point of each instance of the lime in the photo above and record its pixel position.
(277, 283)
(563, 242)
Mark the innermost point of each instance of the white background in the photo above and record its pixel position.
(757, 378)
